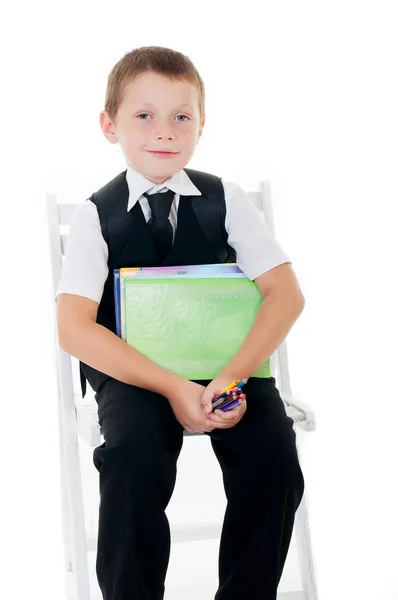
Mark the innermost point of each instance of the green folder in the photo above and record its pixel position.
(189, 325)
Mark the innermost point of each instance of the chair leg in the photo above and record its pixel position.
(304, 548)
(73, 515)
(66, 512)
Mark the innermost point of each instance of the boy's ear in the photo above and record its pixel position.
(201, 127)
(108, 127)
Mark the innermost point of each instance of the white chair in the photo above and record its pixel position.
(79, 416)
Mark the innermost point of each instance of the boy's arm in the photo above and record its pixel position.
(78, 296)
(257, 251)
(282, 304)
(100, 348)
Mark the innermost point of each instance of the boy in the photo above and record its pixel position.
(148, 216)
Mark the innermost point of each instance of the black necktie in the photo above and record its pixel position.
(159, 223)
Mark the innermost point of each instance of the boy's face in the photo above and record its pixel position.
(156, 114)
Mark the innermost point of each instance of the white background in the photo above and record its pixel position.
(301, 93)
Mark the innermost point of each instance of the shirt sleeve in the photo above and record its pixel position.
(85, 267)
(257, 251)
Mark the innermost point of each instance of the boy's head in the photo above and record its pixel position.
(155, 101)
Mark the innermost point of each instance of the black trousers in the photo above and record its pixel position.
(262, 479)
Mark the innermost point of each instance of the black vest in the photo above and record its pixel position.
(200, 238)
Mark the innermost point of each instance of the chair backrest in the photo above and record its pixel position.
(59, 218)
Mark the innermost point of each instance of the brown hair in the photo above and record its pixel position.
(150, 58)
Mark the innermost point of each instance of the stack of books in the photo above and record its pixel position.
(189, 319)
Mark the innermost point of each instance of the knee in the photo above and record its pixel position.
(146, 468)
(285, 479)
(299, 486)
(115, 458)
(278, 466)
(289, 471)
(129, 455)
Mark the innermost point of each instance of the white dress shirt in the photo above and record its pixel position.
(85, 267)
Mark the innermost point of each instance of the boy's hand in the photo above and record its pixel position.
(220, 419)
(186, 401)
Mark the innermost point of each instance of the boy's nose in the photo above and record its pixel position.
(165, 135)
(164, 132)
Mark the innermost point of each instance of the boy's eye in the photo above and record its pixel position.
(146, 115)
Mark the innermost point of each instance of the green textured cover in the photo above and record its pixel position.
(191, 326)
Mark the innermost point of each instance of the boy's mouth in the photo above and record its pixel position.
(162, 153)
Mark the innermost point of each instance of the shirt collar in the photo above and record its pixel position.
(179, 183)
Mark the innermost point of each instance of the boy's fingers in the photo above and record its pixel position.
(207, 406)
(215, 417)
(221, 417)
(225, 424)
(223, 420)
